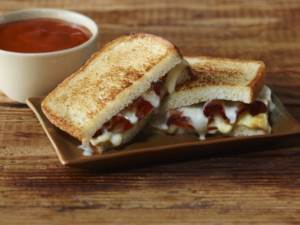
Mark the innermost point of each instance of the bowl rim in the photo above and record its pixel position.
(93, 28)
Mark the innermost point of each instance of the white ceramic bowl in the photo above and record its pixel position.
(24, 75)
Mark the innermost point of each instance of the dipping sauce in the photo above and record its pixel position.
(41, 35)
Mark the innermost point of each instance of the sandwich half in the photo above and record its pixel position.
(225, 96)
(110, 98)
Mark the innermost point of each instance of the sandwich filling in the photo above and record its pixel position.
(112, 132)
(117, 130)
(218, 116)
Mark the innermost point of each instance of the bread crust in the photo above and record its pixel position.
(117, 91)
(256, 84)
(219, 78)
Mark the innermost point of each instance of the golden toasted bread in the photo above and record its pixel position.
(108, 82)
(219, 78)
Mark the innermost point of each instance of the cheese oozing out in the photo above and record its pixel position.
(115, 138)
(223, 123)
(112, 138)
(152, 97)
(87, 150)
(177, 75)
(197, 119)
(130, 116)
(231, 112)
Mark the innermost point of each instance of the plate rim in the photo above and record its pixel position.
(74, 162)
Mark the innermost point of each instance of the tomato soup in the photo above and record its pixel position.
(41, 35)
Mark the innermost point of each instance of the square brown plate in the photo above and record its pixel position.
(149, 147)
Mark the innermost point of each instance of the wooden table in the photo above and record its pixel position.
(252, 188)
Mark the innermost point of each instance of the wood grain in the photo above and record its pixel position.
(253, 188)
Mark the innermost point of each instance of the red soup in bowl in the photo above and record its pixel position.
(41, 35)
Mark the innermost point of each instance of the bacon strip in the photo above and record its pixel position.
(216, 107)
(140, 107)
(254, 108)
(176, 118)
(213, 108)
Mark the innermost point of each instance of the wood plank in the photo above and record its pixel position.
(227, 188)
(152, 216)
(252, 188)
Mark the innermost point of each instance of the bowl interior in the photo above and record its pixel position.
(69, 16)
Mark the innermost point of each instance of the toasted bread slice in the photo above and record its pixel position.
(108, 82)
(219, 78)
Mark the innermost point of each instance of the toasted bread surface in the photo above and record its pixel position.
(108, 82)
(219, 78)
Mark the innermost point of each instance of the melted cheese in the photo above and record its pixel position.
(173, 77)
(222, 125)
(198, 119)
(115, 139)
(107, 137)
(260, 121)
(104, 137)
(130, 116)
(152, 97)
(200, 122)
(231, 112)
(265, 95)
(87, 149)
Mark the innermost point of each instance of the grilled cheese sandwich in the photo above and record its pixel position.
(213, 109)
(108, 101)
